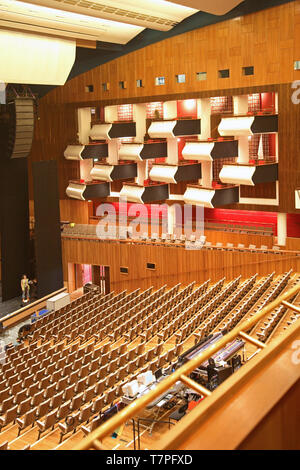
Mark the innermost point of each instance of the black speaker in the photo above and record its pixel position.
(22, 126)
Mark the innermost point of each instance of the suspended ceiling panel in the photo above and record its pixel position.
(23, 15)
(23, 55)
(216, 7)
(155, 14)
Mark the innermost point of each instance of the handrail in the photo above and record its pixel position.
(92, 441)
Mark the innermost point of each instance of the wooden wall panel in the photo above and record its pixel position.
(172, 264)
(74, 211)
(254, 39)
(266, 39)
(279, 429)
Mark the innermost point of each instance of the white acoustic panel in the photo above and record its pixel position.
(21, 14)
(200, 151)
(164, 173)
(161, 129)
(76, 191)
(132, 193)
(102, 172)
(236, 126)
(215, 7)
(30, 58)
(130, 152)
(100, 131)
(156, 14)
(199, 197)
(237, 174)
(73, 152)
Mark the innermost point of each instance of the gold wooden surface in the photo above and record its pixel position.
(139, 404)
(267, 40)
(172, 264)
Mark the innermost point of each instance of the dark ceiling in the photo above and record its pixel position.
(87, 59)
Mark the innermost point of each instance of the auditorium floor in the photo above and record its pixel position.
(125, 438)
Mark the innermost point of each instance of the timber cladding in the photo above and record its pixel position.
(172, 265)
(269, 40)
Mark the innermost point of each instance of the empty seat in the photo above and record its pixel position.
(49, 422)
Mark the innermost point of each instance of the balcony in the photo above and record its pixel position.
(87, 190)
(114, 172)
(174, 128)
(113, 130)
(207, 151)
(141, 152)
(84, 152)
(211, 197)
(249, 175)
(248, 125)
(175, 173)
(134, 192)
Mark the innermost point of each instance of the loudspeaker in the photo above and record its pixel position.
(21, 130)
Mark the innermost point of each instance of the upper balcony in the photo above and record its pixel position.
(134, 192)
(84, 152)
(217, 196)
(87, 190)
(248, 125)
(174, 128)
(140, 152)
(175, 173)
(208, 150)
(105, 172)
(114, 130)
(249, 175)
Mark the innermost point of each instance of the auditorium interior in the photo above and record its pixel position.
(151, 194)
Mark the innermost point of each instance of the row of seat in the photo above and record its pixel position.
(220, 304)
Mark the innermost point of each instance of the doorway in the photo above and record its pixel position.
(81, 274)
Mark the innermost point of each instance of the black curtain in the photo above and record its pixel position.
(47, 227)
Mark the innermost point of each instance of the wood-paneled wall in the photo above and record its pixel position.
(172, 264)
(267, 40)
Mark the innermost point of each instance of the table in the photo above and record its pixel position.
(58, 301)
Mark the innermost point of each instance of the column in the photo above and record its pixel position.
(281, 228)
(171, 218)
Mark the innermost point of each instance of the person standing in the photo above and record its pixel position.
(25, 288)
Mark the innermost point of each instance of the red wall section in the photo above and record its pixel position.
(253, 218)
(249, 218)
(187, 108)
(268, 102)
(293, 225)
(227, 216)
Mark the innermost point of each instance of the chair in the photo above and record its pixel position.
(76, 402)
(27, 420)
(43, 408)
(49, 422)
(10, 415)
(6, 404)
(92, 426)
(24, 406)
(56, 401)
(69, 425)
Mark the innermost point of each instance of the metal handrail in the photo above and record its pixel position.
(92, 441)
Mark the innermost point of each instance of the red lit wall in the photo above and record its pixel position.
(187, 109)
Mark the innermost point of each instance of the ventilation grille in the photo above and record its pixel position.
(118, 12)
